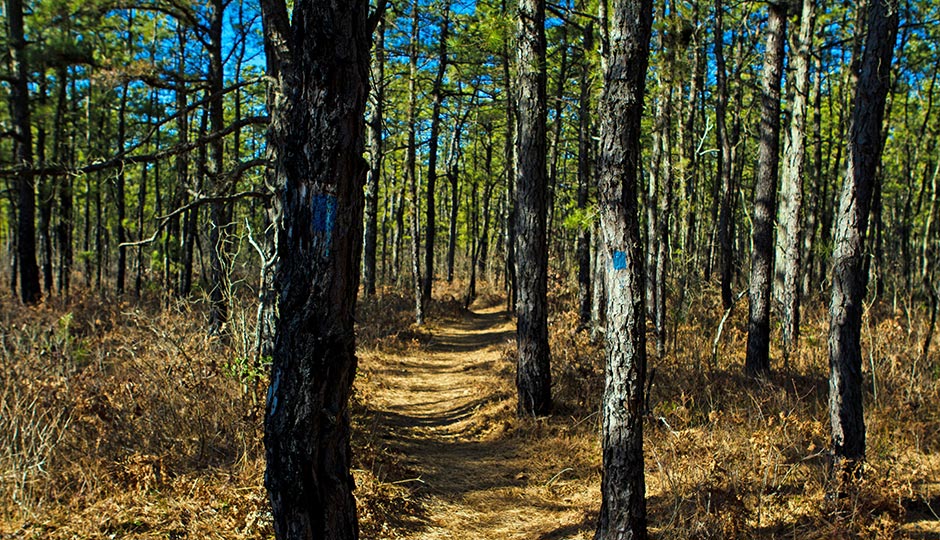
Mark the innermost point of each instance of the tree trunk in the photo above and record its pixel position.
(813, 198)
(453, 167)
(120, 203)
(558, 100)
(181, 165)
(376, 124)
(411, 164)
(584, 180)
(46, 194)
(623, 502)
(533, 376)
(599, 292)
(509, 157)
(11, 243)
(190, 235)
(437, 92)
(319, 145)
(473, 210)
(789, 219)
(398, 236)
(141, 198)
(659, 243)
(417, 282)
(218, 211)
(453, 170)
(724, 159)
(65, 225)
(849, 282)
(757, 361)
(688, 169)
(479, 234)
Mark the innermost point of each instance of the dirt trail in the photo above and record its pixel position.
(447, 409)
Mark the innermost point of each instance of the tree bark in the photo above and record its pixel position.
(319, 141)
(512, 167)
(376, 150)
(813, 198)
(584, 180)
(849, 281)
(30, 292)
(46, 192)
(789, 218)
(453, 175)
(437, 92)
(558, 101)
(533, 375)
(219, 212)
(724, 159)
(623, 503)
(65, 224)
(757, 361)
(120, 202)
(411, 164)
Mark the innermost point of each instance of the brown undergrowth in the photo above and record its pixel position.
(731, 457)
(125, 420)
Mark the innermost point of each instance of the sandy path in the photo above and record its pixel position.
(447, 409)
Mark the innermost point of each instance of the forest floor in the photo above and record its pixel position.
(125, 420)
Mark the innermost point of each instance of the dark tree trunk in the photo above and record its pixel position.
(688, 169)
(623, 502)
(99, 233)
(813, 198)
(584, 181)
(189, 233)
(437, 92)
(453, 164)
(558, 101)
(453, 175)
(218, 211)
(46, 194)
(319, 146)
(65, 225)
(181, 165)
(724, 159)
(511, 171)
(399, 234)
(11, 243)
(757, 361)
(479, 234)
(141, 198)
(376, 124)
(849, 282)
(119, 200)
(473, 211)
(533, 376)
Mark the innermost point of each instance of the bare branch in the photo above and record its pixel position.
(143, 158)
(164, 220)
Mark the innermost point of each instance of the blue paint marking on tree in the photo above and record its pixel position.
(324, 213)
(620, 260)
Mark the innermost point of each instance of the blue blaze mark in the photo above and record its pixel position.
(324, 213)
(620, 260)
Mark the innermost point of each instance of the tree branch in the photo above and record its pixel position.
(377, 15)
(164, 220)
(122, 161)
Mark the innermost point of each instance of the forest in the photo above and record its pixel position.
(425, 269)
